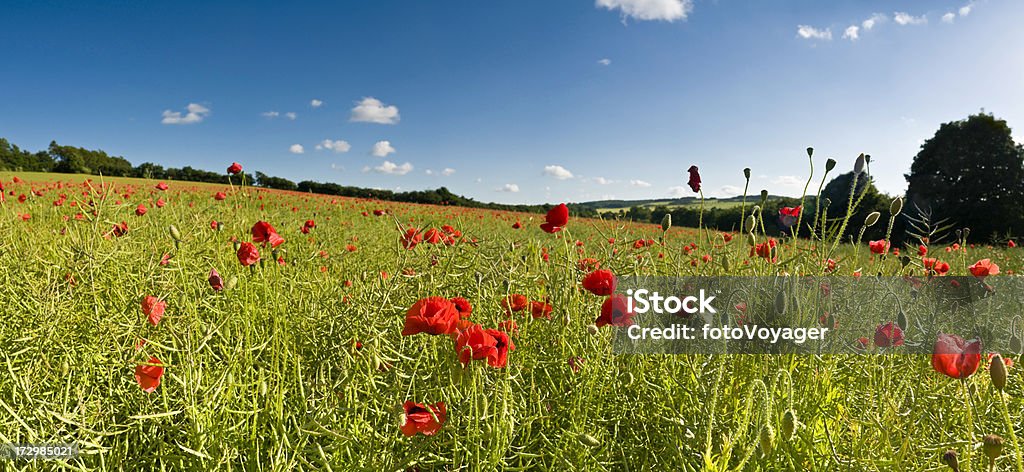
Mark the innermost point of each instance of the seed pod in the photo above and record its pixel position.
(780, 302)
(830, 164)
(858, 166)
(666, 222)
(896, 206)
(872, 218)
(175, 234)
(593, 330)
(589, 440)
(810, 152)
(746, 173)
(949, 458)
(767, 439)
(764, 197)
(992, 445)
(997, 370)
(788, 424)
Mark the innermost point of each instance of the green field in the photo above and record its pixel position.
(301, 364)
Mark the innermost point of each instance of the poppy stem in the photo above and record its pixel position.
(1009, 429)
(970, 426)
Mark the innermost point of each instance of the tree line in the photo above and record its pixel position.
(77, 160)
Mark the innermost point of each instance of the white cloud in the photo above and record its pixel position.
(852, 33)
(447, 171)
(316, 103)
(511, 188)
(558, 172)
(665, 10)
(382, 149)
(874, 20)
(731, 190)
(639, 183)
(195, 114)
(338, 167)
(810, 32)
(270, 114)
(948, 17)
(388, 167)
(605, 62)
(966, 9)
(291, 115)
(678, 191)
(903, 19)
(338, 146)
(371, 110)
(602, 180)
(296, 149)
(788, 181)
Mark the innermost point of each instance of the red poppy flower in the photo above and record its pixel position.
(694, 181)
(160, 203)
(307, 226)
(248, 254)
(431, 315)
(955, 357)
(514, 303)
(140, 210)
(234, 168)
(922, 250)
(540, 310)
(120, 229)
(1010, 244)
(503, 344)
(790, 211)
(216, 281)
(411, 238)
(220, 196)
(263, 232)
(766, 250)
(879, 247)
(165, 259)
(556, 219)
(463, 305)
(148, 376)
(432, 236)
(615, 312)
(984, 268)
(161, 186)
(888, 335)
(378, 212)
(475, 343)
(424, 419)
(153, 308)
(600, 282)
(517, 225)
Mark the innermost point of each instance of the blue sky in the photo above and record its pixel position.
(567, 100)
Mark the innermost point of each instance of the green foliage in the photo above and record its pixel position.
(971, 172)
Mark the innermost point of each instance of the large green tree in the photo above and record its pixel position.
(972, 173)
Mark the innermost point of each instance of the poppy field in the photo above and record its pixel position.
(185, 326)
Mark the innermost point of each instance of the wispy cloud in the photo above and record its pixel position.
(511, 188)
(270, 114)
(810, 32)
(852, 33)
(315, 103)
(639, 183)
(371, 110)
(903, 19)
(873, 21)
(291, 115)
(663, 10)
(338, 146)
(388, 167)
(605, 62)
(194, 113)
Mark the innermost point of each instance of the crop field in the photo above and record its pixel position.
(200, 327)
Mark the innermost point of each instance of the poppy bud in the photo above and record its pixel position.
(236, 244)
(810, 152)
(666, 222)
(997, 370)
(788, 424)
(872, 218)
(780, 303)
(992, 445)
(746, 173)
(725, 263)
(896, 206)
(949, 458)
(830, 164)
(175, 234)
(589, 440)
(263, 388)
(751, 239)
(901, 319)
(593, 330)
(750, 224)
(231, 283)
(858, 166)
(1015, 344)
(767, 439)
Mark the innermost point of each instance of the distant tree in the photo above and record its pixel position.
(837, 196)
(971, 172)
